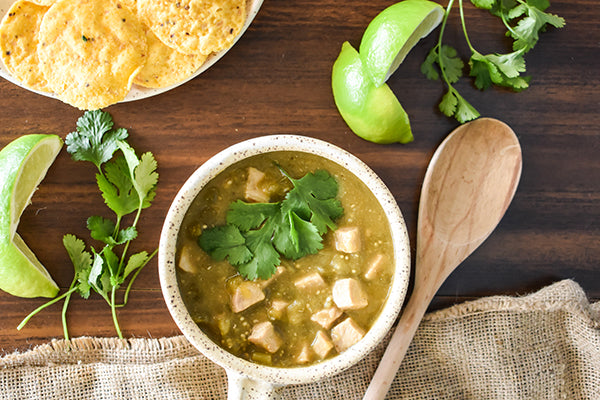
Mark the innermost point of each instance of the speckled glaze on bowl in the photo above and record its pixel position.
(248, 380)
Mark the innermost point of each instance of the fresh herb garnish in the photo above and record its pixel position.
(127, 184)
(523, 19)
(257, 234)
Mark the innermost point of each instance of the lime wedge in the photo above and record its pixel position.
(23, 164)
(393, 33)
(373, 113)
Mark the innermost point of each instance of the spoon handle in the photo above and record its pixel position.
(398, 345)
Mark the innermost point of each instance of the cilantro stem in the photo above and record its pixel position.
(64, 309)
(40, 308)
(114, 312)
(464, 26)
(135, 221)
(439, 44)
(506, 24)
(117, 226)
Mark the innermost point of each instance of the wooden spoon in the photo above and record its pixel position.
(468, 186)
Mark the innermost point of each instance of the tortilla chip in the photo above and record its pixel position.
(90, 51)
(18, 43)
(194, 26)
(131, 4)
(43, 2)
(166, 66)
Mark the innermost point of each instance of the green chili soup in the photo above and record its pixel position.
(312, 308)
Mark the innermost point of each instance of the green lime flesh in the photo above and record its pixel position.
(391, 35)
(23, 164)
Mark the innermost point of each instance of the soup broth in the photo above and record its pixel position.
(312, 308)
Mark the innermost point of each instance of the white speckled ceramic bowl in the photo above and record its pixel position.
(248, 380)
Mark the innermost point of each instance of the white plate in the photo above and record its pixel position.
(138, 92)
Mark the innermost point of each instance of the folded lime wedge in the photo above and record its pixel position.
(393, 33)
(373, 113)
(23, 164)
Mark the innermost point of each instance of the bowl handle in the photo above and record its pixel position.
(240, 387)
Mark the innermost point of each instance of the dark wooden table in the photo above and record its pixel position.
(277, 80)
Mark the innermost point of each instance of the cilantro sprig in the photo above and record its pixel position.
(523, 19)
(258, 234)
(127, 185)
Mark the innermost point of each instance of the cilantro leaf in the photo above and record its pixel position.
(511, 64)
(116, 187)
(448, 104)
(99, 277)
(454, 105)
(266, 258)
(428, 66)
(82, 262)
(448, 57)
(526, 33)
(135, 261)
(541, 5)
(453, 65)
(295, 237)
(513, 13)
(126, 235)
(465, 111)
(485, 4)
(142, 173)
(94, 140)
(101, 228)
(481, 71)
(500, 69)
(111, 260)
(225, 242)
(248, 216)
(313, 198)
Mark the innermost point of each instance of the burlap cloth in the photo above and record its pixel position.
(542, 346)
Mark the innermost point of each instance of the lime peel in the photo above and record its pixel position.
(391, 35)
(23, 164)
(373, 113)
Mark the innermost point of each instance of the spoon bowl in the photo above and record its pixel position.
(469, 184)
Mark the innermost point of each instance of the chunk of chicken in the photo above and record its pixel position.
(310, 281)
(277, 308)
(347, 239)
(322, 344)
(264, 335)
(305, 355)
(223, 323)
(266, 282)
(245, 295)
(346, 334)
(254, 190)
(375, 267)
(327, 316)
(349, 295)
(187, 260)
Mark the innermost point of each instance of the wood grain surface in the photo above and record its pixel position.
(277, 80)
